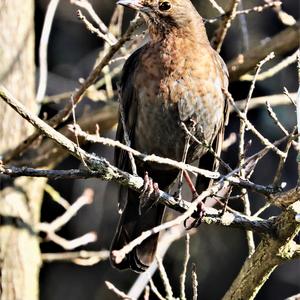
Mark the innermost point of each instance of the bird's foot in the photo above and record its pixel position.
(178, 195)
(200, 214)
(149, 195)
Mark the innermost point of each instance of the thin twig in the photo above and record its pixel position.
(250, 126)
(284, 17)
(75, 133)
(85, 199)
(185, 264)
(224, 26)
(275, 119)
(281, 43)
(217, 7)
(194, 283)
(56, 197)
(147, 293)
(155, 291)
(282, 160)
(165, 279)
(259, 8)
(210, 149)
(90, 10)
(272, 71)
(43, 48)
(290, 96)
(93, 29)
(116, 291)
(294, 297)
(262, 209)
(72, 244)
(83, 257)
(133, 181)
(245, 197)
(274, 100)
(146, 158)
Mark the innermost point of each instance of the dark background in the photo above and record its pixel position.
(218, 252)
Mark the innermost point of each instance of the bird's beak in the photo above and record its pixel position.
(135, 4)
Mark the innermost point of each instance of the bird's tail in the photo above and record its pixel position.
(131, 225)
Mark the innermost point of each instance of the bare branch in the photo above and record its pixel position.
(217, 7)
(194, 282)
(164, 278)
(83, 258)
(70, 245)
(274, 70)
(284, 17)
(224, 26)
(268, 255)
(90, 27)
(155, 291)
(84, 199)
(55, 196)
(260, 8)
(243, 172)
(280, 44)
(274, 100)
(86, 5)
(116, 291)
(43, 60)
(185, 264)
(250, 126)
(275, 119)
(228, 220)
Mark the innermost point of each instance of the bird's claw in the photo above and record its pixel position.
(201, 212)
(149, 194)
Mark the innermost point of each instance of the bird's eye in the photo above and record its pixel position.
(164, 6)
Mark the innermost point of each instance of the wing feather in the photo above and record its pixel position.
(129, 103)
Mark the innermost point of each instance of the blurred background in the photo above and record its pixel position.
(217, 252)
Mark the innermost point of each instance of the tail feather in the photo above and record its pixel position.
(131, 225)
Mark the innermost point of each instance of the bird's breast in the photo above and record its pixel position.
(171, 90)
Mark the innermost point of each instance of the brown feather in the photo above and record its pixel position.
(176, 77)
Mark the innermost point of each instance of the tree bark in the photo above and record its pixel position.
(268, 255)
(20, 200)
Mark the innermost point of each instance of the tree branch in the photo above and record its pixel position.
(268, 255)
(86, 258)
(280, 44)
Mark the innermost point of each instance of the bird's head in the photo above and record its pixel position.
(165, 13)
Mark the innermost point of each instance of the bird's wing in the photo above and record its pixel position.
(129, 104)
(225, 82)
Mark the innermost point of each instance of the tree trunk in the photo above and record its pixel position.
(20, 200)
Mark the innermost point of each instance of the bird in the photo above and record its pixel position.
(175, 78)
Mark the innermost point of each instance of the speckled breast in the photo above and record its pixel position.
(186, 92)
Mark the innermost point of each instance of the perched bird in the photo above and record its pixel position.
(176, 77)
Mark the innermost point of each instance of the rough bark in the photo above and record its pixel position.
(268, 255)
(19, 201)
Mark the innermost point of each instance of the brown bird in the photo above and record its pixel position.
(176, 77)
